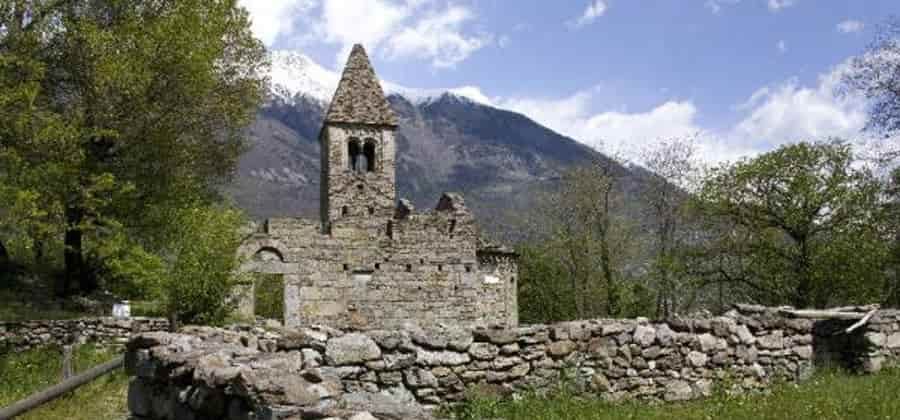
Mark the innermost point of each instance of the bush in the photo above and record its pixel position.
(202, 265)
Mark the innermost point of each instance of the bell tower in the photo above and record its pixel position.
(358, 148)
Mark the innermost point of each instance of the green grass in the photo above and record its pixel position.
(22, 374)
(828, 396)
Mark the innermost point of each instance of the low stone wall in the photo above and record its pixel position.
(24, 335)
(320, 372)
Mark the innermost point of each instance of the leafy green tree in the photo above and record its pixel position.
(201, 269)
(892, 217)
(800, 225)
(115, 112)
(574, 267)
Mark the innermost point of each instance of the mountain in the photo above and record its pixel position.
(446, 142)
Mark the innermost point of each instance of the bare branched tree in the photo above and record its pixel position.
(675, 168)
(876, 74)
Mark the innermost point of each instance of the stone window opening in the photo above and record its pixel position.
(368, 153)
(468, 268)
(346, 267)
(452, 227)
(362, 275)
(440, 267)
(353, 154)
(344, 211)
(371, 210)
(377, 266)
(408, 268)
(390, 230)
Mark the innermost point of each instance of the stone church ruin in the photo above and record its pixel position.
(372, 261)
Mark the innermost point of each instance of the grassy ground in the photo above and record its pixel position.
(22, 374)
(829, 396)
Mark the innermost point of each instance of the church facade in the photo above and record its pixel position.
(372, 261)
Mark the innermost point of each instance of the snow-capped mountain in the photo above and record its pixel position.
(295, 74)
(447, 140)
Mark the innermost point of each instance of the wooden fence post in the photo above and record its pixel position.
(67, 370)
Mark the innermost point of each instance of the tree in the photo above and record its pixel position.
(876, 74)
(892, 216)
(202, 265)
(579, 253)
(803, 226)
(674, 168)
(113, 111)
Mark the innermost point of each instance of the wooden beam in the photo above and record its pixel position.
(820, 314)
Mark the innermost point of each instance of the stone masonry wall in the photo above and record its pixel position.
(24, 335)
(423, 267)
(319, 372)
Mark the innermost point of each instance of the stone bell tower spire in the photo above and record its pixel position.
(358, 148)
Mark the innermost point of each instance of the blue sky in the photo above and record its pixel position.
(746, 75)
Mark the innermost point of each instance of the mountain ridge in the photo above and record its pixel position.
(446, 141)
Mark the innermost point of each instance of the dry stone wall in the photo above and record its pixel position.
(25, 335)
(319, 372)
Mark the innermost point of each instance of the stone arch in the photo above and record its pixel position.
(265, 267)
(268, 253)
(369, 149)
(251, 246)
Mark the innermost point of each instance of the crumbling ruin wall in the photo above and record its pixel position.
(320, 372)
(427, 268)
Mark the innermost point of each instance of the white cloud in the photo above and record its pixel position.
(772, 116)
(782, 46)
(789, 112)
(438, 37)
(776, 5)
(433, 30)
(716, 5)
(595, 9)
(272, 18)
(622, 133)
(367, 22)
(850, 26)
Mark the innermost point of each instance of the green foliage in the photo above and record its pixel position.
(269, 295)
(828, 396)
(576, 270)
(201, 266)
(799, 225)
(113, 114)
(22, 374)
(543, 297)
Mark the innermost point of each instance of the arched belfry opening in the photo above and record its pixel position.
(354, 153)
(369, 154)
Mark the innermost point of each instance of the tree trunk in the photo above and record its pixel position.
(803, 297)
(4, 256)
(75, 273)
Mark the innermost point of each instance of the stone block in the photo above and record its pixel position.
(351, 349)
